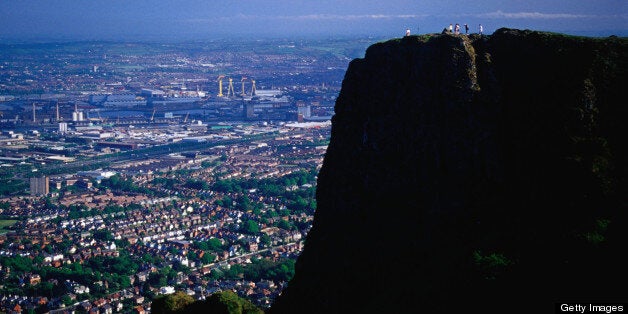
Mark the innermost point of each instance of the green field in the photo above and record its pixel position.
(4, 224)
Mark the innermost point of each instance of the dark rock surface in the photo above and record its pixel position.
(472, 173)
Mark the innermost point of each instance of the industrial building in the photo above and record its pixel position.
(125, 100)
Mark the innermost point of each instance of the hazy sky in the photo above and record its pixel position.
(209, 19)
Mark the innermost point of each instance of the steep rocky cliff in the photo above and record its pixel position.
(472, 171)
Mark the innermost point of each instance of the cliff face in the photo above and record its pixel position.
(466, 169)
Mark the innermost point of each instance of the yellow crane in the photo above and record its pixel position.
(220, 86)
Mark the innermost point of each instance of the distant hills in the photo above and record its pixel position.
(482, 174)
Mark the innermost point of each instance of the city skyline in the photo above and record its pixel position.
(63, 20)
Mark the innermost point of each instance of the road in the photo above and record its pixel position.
(217, 265)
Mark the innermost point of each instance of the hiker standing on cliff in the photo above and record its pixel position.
(408, 32)
(457, 29)
(481, 29)
(466, 28)
(451, 28)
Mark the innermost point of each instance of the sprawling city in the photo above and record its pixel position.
(134, 170)
(168, 157)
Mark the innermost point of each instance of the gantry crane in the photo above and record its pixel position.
(242, 80)
(220, 86)
(230, 91)
(253, 88)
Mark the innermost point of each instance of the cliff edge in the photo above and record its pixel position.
(468, 171)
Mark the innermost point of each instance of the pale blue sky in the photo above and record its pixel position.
(195, 19)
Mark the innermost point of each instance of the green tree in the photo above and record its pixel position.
(67, 301)
(216, 274)
(17, 263)
(215, 244)
(103, 235)
(266, 240)
(244, 203)
(39, 259)
(235, 272)
(225, 302)
(284, 224)
(158, 279)
(196, 184)
(227, 201)
(208, 258)
(172, 303)
(201, 245)
(250, 227)
(192, 255)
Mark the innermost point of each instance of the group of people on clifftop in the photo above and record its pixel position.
(455, 30)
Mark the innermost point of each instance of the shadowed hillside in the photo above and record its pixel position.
(463, 170)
